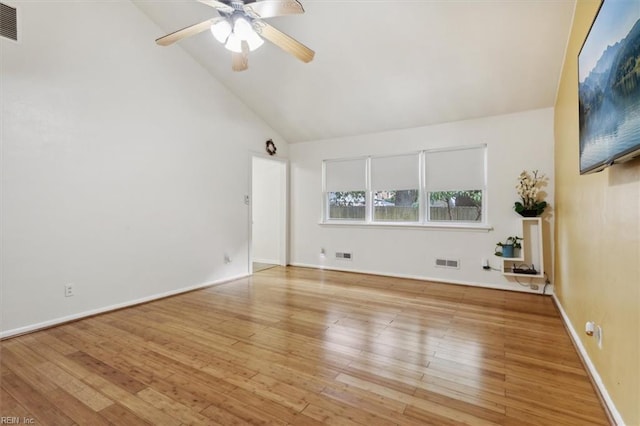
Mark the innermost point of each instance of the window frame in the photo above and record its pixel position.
(371, 189)
(325, 194)
(424, 219)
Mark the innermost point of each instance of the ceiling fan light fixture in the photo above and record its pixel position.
(234, 43)
(254, 41)
(221, 30)
(243, 31)
(242, 28)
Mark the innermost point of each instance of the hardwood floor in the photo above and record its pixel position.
(302, 346)
(257, 266)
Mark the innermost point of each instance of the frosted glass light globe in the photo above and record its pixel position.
(221, 30)
(234, 43)
(242, 28)
(254, 41)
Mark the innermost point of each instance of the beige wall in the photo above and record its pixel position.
(597, 258)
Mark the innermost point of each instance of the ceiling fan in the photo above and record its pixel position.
(241, 29)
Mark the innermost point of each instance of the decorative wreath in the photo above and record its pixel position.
(271, 147)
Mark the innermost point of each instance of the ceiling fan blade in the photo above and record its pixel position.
(271, 8)
(284, 42)
(240, 61)
(218, 5)
(185, 32)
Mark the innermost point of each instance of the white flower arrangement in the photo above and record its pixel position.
(528, 187)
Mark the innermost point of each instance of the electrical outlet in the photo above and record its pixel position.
(485, 264)
(589, 327)
(68, 290)
(598, 334)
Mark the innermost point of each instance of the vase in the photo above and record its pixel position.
(507, 250)
(528, 213)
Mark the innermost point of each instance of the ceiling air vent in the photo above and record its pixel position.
(8, 22)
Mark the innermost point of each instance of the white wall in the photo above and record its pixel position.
(124, 165)
(268, 207)
(515, 142)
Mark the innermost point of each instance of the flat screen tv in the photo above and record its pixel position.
(609, 87)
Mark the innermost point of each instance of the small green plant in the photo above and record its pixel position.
(510, 241)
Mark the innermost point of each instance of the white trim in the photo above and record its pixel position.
(423, 200)
(411, 225)
(424, 212)
(456, 148)
(368, 195)
(357, 157)
(485, 185)
(284, 246)
(419, 278)
(591, 369)
(270, 261)
(62, 320)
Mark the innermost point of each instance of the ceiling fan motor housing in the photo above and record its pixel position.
(239, 4)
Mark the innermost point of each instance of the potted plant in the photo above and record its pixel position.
(529, 185)
(507, 249)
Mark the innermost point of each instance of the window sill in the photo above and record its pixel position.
(400, 225)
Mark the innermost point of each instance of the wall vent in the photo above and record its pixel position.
(448, 263)
(452, 263)
(8, 22)
(343, 255)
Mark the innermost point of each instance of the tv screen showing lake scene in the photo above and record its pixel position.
(609, 87)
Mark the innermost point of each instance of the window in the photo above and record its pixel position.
(455, 183)
(345, 186)
(435, 186)
(395, 182)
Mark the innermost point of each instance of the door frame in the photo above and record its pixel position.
(284, 219)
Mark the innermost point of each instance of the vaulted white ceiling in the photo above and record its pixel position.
(383, 65)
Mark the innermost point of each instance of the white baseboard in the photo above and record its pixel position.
(74, 317)
(419, 278)
(591, 369)
(270, 261)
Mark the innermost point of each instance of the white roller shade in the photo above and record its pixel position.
(455, 170)
(399, 172)
(346, 175)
